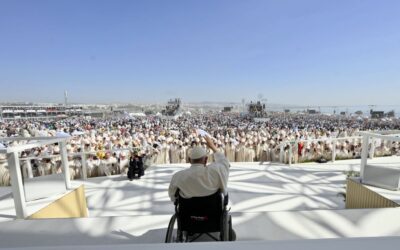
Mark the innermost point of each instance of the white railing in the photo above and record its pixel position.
(83, 156)
(369, 138)
(296, 142)
(15, 169)
(333, 141)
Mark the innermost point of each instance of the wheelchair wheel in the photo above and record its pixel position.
(173, 233)
(232, 233)
(224, 234)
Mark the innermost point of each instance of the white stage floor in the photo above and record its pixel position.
(269, 202)
(252, 188)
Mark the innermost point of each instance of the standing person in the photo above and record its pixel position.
(106, 165)
(141, 164)
(174, 152)
(71, 165)
(240, 151)
(165, 152)
(230, 150)
(250, 153)
(4, 172)
(264, 151)
(135, 166)
(123, 163)
(182, 153)
(132, 167)
(90, 167)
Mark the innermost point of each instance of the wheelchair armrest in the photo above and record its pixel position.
(226, 199)
(176, 197)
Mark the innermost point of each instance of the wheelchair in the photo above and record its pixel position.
(199, 216)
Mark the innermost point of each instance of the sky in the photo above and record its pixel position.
(303, 52)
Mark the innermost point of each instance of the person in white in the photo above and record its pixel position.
(123, 164)
(4, 172)
(201, 179)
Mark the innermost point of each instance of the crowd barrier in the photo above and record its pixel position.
(289, 148)
(287, 152)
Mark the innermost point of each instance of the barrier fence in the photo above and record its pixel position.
(13, 160)
(293, 145)
(287, 150)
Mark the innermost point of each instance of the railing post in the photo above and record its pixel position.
(29, 168)
(83, 159)
(281, 153)
(64, 161)
(364, 155)
(333, 150)
(16, 185)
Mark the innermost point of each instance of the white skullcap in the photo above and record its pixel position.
(197, 153)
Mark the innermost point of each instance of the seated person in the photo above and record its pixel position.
(201, 179)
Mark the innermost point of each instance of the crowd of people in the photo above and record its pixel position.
(109, 144)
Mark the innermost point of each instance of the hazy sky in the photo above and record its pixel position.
(309, 52)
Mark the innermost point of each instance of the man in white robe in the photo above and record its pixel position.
(264, 152)
(106, 165)
(250, 153)
(230, 150)
(182, 153)
(71, 165)
(240, 151)
(123, 163)
(4, 172)
(174, 152)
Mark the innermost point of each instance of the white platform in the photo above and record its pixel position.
(269, 202)
(291, 225)
(390, 162)
(326, 244)
(7, 210)
(388, 194)
(252, 188)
